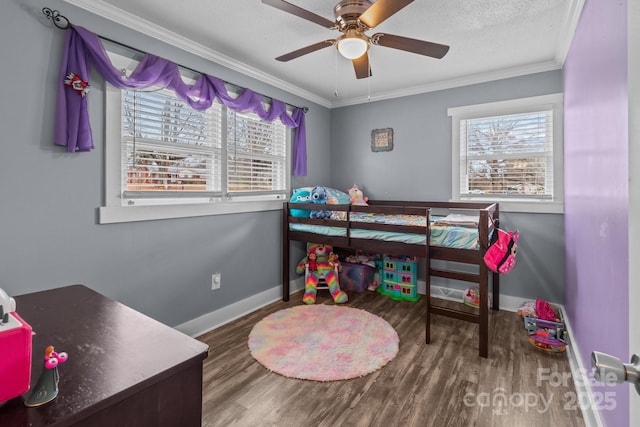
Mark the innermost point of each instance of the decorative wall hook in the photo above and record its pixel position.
(58, 20)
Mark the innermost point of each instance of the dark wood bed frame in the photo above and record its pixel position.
(487, 211)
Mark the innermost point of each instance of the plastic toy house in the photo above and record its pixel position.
(399, 278)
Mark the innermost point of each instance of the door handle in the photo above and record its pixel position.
(611, 370)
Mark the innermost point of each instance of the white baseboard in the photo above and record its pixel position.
(582, 382)
(224, 315)
(213, 320)
(507, 302)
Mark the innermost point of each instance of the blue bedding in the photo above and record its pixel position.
(443, 233)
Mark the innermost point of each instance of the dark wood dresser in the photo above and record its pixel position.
(124, 368)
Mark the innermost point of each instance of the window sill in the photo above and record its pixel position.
(522, 206)
(117, 214)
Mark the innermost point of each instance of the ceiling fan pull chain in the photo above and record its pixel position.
(369, 79)
(335, 79)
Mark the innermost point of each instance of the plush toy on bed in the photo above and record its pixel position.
(300, 195)
(319, 196)
(356, 196)
(326, 267)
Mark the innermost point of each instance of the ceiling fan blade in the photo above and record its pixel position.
(303, 51)
(381, 10)
(420, 47)
(362, 67)
(300, 12)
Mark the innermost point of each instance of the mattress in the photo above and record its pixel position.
(446, 231)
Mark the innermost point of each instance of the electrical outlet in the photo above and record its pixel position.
(216, 278)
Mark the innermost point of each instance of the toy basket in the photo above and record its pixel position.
(547, 335)
(356, 277)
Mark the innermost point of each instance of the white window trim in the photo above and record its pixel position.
(113, 210)
(514, 106)
(117, 214)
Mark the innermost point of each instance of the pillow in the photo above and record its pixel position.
(341, 197)
(337, 197)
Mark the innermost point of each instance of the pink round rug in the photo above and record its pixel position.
(323, 342)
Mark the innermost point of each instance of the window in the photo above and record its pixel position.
(256, 155)
(169, 149)
(510, 152)
(166, 160)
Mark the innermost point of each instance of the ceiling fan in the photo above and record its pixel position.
(353, 18)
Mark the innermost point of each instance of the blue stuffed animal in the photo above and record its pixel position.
(300, 195)
(319, 195)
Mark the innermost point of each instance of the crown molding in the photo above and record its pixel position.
(141, 25)
(119, 16)
(570, 25)
(453, 83)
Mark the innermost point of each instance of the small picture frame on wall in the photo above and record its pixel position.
(382, 139)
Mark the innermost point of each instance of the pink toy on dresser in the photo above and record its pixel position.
(15, 338)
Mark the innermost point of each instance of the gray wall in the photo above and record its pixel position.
(49, 236)
(419, 168)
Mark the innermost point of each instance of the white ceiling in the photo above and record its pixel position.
(489, 39)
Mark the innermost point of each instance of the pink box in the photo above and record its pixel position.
(15, 363)
(356, 277)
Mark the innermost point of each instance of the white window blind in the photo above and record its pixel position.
(256, 155)
(163, 159)
(168, 148)
(509, 155)
(509, 152)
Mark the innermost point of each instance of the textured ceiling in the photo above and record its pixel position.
(489, 39)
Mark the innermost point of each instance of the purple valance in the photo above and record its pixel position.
(83, 48)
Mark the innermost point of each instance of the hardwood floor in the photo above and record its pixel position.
(444, 383)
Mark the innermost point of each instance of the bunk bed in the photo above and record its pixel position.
(407, 228)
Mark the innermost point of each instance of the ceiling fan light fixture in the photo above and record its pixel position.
(352, 46)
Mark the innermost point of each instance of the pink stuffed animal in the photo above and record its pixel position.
(356, 197)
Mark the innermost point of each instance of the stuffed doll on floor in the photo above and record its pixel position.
(320, 263)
